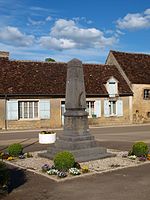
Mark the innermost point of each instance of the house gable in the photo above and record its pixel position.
(136, 66)
(111, 60)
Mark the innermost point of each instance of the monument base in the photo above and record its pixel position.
(84, 148)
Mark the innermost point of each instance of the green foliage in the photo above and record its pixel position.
(15, 149)
(47, 132)
(64, 160)
(4, 174)
(49, 60)
(77, 165)
(140, 149)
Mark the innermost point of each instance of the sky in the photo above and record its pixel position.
(65, 29)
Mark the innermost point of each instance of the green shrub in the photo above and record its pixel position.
(64, 160)
(140, 149)
(4, 174)
(15, 149)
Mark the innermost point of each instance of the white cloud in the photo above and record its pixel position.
(135, 21)
(147, 12)
(49, 18)
(84, 19)
(13, 36)
(35, 22)
(65, 34)
(57, 44)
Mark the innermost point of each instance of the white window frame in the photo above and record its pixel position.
(28, 100)
(146, 95)
(110, 82)
(89, 109)
(112, 111)
(109, 110)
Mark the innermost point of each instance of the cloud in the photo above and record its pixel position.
(135, 21)
(49, 18)
(35, 22)
(65, 34)
(13, 36)
(57, 44)
(84, 19)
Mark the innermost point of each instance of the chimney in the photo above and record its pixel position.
(4, 55)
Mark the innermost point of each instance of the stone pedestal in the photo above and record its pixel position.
(76, 137)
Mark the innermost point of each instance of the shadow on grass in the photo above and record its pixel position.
(17, 178)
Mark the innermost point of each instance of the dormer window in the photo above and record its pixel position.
(112, 87)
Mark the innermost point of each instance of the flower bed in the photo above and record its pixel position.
(35, 164)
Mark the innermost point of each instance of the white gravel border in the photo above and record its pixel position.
(35, 163)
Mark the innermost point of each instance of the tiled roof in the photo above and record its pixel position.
(43, 78)
(135, 65)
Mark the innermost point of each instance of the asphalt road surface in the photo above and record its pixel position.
(111, 137)
(130, 183)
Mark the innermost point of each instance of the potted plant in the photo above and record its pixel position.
(47, 137)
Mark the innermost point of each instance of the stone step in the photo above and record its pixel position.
(62, 144)
(81, 155)
(75, 138)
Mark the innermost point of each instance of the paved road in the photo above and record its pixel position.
(131, 183)
(125, 184)
(110, 137)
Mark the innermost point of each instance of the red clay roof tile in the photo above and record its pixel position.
(43, 78)
(135, 65)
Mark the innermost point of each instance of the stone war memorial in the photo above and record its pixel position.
(76, 137)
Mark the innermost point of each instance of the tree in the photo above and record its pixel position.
(49, 60)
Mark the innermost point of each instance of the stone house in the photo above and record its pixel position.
(135, 68)
(32, 94)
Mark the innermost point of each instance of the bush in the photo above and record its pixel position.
(4, 174)
(140, 149)
(15, 149)
(64, 160)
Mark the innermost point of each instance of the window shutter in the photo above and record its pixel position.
(106, 108)
(44, 109)
(97, 108)
(12, 110)
(119, 108)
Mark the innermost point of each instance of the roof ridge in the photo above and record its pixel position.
(33, 61)
(135, 53)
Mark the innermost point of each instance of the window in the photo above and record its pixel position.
(90, 108)
(28, 109)
(112, 108)
(146, 93)
(112, 87)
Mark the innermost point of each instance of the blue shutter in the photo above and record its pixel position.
(12, 110)
(106, 108)
(44, 109)
(119, 108)
(97, 108)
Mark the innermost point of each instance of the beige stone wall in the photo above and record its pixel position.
(140, 105)
(55, 113)
(53, 122)
(113, 120)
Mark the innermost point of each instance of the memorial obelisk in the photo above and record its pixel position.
(76, 137)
